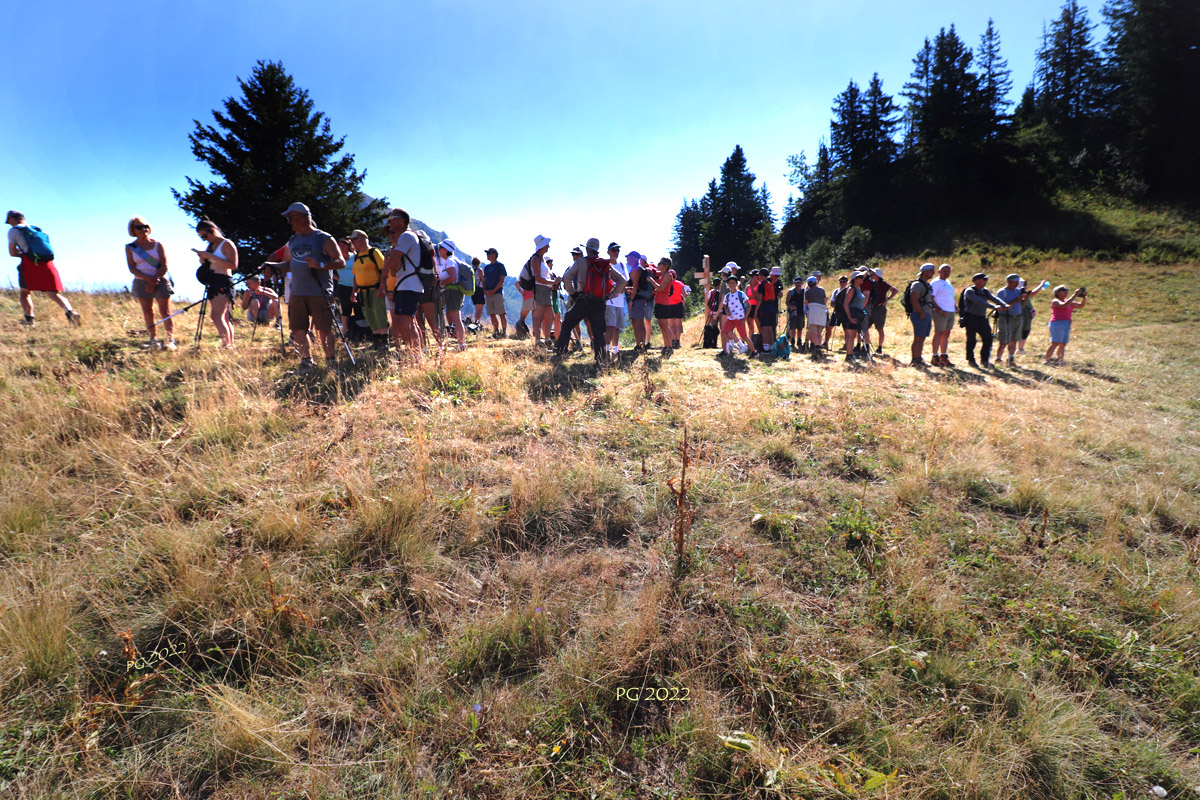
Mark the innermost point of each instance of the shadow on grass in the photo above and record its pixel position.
(562, 380)
(1045, 377)
(1090, 371)
(957, 375)
(732, 365)
(328, 386)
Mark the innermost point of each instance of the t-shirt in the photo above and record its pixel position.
(16, 235)
(921, 297)
(867, 287)
(943, 294)
(736, 304)
(494, 274)
(977, 301)
(345, 275)
(444, 265)
(308, 282)
(408, 247)
(623, 269)
(1010, 296)
(879, 291)
(814, 295)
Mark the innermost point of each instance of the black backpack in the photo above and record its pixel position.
(906, 299)
(424, 269)
(526, 284)
(835, 303)
(962, 306)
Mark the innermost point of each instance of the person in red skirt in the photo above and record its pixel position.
(34, 274)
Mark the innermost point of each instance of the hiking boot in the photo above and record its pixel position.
(946, 361)
(73, 319)
(919, 363)
(1012, 362)
(971, 363)
(29, 321)
(306, 367)
(985, 364)
(878, 351)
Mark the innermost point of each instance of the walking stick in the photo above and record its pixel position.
(337, 321)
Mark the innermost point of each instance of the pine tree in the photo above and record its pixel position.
(879, 113)
(995, 79)
(269, 149)
(1068, 72)
(848, 130)
(689, 230)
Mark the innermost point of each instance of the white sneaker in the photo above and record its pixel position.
(169, 344)
(150, 344)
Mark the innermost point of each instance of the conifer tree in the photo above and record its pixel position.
(995, 79)
(268, 149)
(1068, 72)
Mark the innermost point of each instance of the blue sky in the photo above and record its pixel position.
(494, 122)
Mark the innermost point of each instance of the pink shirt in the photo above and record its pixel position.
(1061, 311)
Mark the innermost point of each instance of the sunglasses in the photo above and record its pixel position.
(141, 227)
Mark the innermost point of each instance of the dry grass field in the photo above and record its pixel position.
(460, 579)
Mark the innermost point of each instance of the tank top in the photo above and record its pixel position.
(139, 259)
(1060, 312)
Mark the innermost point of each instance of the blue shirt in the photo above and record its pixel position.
(345, 275)
(493, 274)
(1008, 296)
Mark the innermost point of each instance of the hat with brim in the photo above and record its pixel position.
(357, 234)
(593, 244)
(980, 276)
(540, 241)
(297, 208)
(448, 245)
(491, 250)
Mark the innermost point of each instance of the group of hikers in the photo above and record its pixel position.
(411, 297)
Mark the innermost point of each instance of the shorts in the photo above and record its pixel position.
(495, 304)
(1008, 328)
(794, 321)
(852, 323)
(768, 313)
(406, 302)
(815, 331)
(1060, 331)
(343, 297)
(429, 295)
(614, 317)
(819, 316)
(303, 307)
(38, 276)
(543, 295)
(162, 291)
(222, 284)
(479, 298)
(878, 316)
(261, 318)
(921, 327)
(668, 311)
(943, 320)
(454, 300)
(643, 309)
(1027, 321)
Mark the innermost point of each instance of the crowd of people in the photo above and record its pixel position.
(410, 296)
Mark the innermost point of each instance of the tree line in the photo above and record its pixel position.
(1116, 114)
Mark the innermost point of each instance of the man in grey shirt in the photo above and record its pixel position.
(976, 300)
(585, 281)
(311, 256)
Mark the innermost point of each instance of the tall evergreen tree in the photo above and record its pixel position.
(880, 120)
(1068, 73)
(917, 92)
(269, 149)
(848, 130)
(689, 232)
(995, 79)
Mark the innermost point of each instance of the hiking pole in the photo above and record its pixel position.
(200, 320)
(337, 321)
(187, 308)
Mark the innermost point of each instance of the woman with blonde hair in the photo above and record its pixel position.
(1061, 309)
(221, 260)
(147, 262)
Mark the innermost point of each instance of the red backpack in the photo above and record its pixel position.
(597, 283)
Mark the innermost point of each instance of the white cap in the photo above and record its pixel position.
(297, 208)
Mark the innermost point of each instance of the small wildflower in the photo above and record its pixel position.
(477, 707)
(537, 610)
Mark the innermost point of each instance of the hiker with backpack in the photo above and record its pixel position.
(367, 266)
(769, 291)
(945, 310)
(668, 305)
(36, 271)
(343, 286)
(643, 284)
(218, 262)
(1061, 310)
(712, 314)
(853, 312)
(310, 257)
(458, 281)
(591, 282)
(918, 304)
(494, 274)
(616, 312)
(881, 294)
(404, 253)
(816, 313)
(431, 309)
(147, 262)
(834, 318)
(535, 276)
(736, 308)
(1028, 312)
(973, 306)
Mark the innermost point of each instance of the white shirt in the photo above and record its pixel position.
(409, 249)
(619, 300)
(943, 294)
(443, 267)
(16, 236)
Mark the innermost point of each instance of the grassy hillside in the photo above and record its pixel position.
(448, 580)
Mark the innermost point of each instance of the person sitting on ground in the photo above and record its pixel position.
(816, 313)
(769, 291)
(260, 303)
(736, 308)
(794, 302)
(973, 308)
(35, 273)
(221, 256)
(592, 281)
(1009, 321)
(944, 310)
(853, 313)
(494, 274)
(147, 262)
(448, 266)
(1061, 310)
(921, 316)
(368, 276)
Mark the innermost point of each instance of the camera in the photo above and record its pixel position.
(1083, 291)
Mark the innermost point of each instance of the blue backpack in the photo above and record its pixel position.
(783, 347)
(38, 244)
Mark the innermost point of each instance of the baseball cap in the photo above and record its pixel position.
(577, 250)
(812, 279)
(1013, 277)
(297, 208)
(927, 267)
(614, 246)
(357, 234)
(633, 254)
(980, 276)
(593, 244)
(492, 250)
